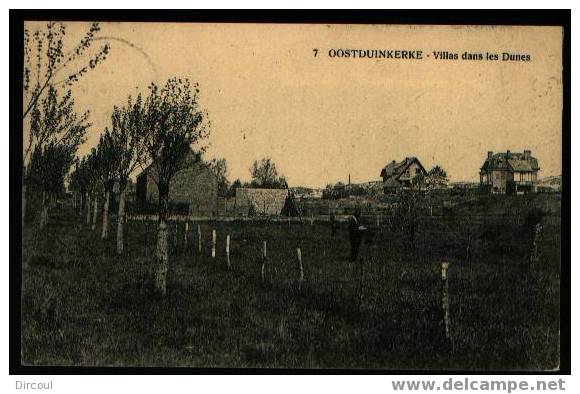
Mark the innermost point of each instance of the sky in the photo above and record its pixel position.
(321, 118)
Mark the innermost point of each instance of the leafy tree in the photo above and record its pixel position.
(54, 125)
(220, 169)
(92, 179)
(436, 178)
(174, 121)
(46, 63)
(235, 185)
(46, 68)
(128, 136)
(79, 183)
(265, 175)
(47, 171)
(108, 161)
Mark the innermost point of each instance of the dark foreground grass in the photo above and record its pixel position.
(82, 305)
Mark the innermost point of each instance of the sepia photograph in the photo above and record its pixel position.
(291, 196)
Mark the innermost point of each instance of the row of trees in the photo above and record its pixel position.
(55, 130)
(158, 129)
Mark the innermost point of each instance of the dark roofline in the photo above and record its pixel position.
(402, 167)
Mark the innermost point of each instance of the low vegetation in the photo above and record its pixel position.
(82, 304)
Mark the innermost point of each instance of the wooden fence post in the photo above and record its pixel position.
(445, 299)
(199, 238)
(264, 257)
(213, 242)
(301, 268)
(228, 250)
(175, 238)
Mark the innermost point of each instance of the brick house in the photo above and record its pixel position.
(194, 185)
(509, 172)
(400, 175)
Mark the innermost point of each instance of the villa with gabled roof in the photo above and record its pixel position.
(509, 172)
(397, 175)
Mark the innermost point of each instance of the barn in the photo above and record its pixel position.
(193, 188)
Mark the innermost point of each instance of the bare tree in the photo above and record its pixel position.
(174, 121)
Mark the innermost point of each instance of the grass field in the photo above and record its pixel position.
(82, 305)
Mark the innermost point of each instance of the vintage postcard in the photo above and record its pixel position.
(291, 196)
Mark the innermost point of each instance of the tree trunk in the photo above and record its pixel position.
(44, 212)
(24, 190)
(95, 212)
(121, 221)
(88, 209)
(105, 230)
(81, 200)
(162, 254)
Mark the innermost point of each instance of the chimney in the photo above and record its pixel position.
(489, 154)
(527, 154)
(507, 154)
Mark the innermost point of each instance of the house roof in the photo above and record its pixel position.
(514, 161)
(393, 170)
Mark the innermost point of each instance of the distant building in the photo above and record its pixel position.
(551, 184)
(400, 175)
(260, 201)
(194, 185)
(509, 172)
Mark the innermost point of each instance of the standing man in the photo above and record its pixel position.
(355, 230)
